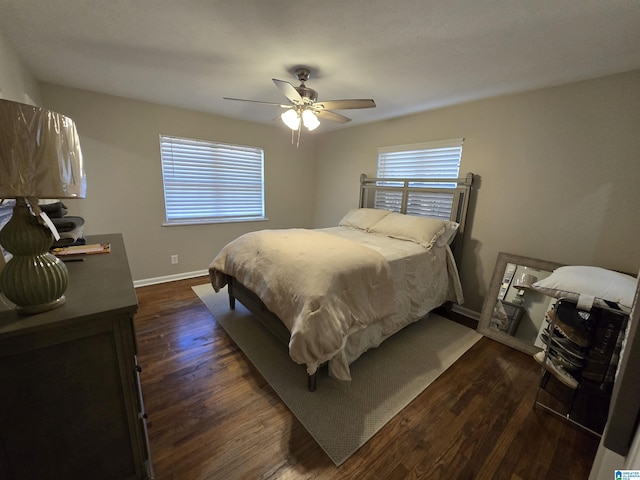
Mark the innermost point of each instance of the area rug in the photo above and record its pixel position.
(343, 416)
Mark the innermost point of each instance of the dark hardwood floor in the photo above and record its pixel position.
(212, 416)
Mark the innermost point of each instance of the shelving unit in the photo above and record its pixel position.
(587, 405)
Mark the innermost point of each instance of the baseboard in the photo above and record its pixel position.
(466, 312)
(169, 278)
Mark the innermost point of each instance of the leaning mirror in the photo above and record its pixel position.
(513, 313)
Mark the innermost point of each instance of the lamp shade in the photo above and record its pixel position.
(291, 119)
(310, 120)
(40, 153)
(525, 281)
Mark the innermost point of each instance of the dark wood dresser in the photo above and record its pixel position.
(71, 406)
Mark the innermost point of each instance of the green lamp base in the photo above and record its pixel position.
(33, 279)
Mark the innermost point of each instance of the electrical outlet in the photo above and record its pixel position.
(174, 259)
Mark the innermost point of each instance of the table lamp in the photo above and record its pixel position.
(522, 284)
(40, 157)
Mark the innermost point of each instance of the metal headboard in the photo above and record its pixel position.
(457, 198)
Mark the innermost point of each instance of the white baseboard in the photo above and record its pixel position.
(466, 312)
(169, 278)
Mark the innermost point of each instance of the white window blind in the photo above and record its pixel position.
(211, 182)
(432, 160)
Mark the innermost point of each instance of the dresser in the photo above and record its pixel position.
(71, 406)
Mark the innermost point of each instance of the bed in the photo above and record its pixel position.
(333, 293)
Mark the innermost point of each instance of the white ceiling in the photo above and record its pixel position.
(408, 55)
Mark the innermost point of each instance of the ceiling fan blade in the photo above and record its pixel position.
(332, 116)
(346, 104)
(288, 91)
(257, 101)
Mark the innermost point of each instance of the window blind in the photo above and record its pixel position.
(432, 160)
(211, 182)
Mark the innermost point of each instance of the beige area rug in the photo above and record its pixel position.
(343, 416)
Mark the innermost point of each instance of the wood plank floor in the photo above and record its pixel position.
(212, 416)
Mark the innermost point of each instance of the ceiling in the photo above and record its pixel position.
(408, 55)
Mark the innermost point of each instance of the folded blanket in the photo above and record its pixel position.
(69, 242)
(69, 238)
(54, 210)
(67, 224)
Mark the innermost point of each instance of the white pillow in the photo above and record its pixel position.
(605, 285)
(363, 218)
(424, 231)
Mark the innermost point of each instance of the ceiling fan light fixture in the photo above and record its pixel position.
(304, 108)
(310, 120)
(291, 119)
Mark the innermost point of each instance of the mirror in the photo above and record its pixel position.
(513, 313)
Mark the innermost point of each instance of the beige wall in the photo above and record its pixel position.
(16, 82)
(120, 145)
(559, 171)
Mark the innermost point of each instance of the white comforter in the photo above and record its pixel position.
(324, 288)
(423, 280)
(339, 291)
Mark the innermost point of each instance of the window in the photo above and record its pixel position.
(206, 182)
(432, 160)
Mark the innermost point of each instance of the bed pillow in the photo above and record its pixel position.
(424, 231)
(606, 286)
(363, 218)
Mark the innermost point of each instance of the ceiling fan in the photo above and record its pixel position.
(304, 108)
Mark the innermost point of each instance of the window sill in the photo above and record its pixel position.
(213, 222)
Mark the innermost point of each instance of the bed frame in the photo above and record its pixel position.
(413, 195)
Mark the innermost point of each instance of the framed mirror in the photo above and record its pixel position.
(513, 313)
